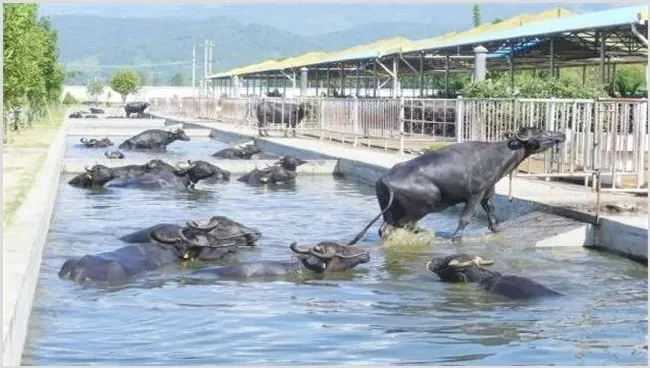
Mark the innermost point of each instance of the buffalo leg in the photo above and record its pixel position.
(468, 212)
(488, 206)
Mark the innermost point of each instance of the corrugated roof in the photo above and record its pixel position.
(601, 19)
(557, 20)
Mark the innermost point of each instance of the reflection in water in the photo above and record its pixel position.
(388, 311)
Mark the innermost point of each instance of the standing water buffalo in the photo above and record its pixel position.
(114, 155)
(96, 143)
(459, 173)
(135, 108)
(128, 261)
(152, 175)
(219, 230)
(280, 113)
(465, 268)
(283, 171)
(154, 139)
(324, 257)
(95, 110)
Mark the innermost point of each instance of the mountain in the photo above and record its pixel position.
(158, 38)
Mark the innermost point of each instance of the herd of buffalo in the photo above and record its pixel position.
(436, 180)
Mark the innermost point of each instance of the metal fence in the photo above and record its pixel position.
(605, 136)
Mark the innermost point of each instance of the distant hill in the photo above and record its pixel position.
(159, 38)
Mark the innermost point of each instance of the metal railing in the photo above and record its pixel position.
(609, 136)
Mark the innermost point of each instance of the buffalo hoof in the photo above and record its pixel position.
(496, 229)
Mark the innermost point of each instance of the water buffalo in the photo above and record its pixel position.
(135, 108)
(96, 143)
(76, 115)
(465, 268)
(283, 171)
(154, 139)
(219, 230)
(90, 116)
(94, 110)
(324, 257)
(152, 175)
(243, 151)
(280, 113)
(459, 173)
(126, 262)
(114, 155)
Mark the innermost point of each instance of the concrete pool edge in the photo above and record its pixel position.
(626, 240)
(23, 249)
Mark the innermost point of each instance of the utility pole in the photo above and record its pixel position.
(193, 69)
(210, 46)
(205, 66)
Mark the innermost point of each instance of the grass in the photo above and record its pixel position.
(24, 154)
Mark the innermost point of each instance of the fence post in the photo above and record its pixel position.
(321, 117)
(355, 120)
(460, 126)
(401, 125)
(641, 119)
(550, 125)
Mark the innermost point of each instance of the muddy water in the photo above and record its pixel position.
(388, 311)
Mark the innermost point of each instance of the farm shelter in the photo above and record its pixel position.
(549, 40)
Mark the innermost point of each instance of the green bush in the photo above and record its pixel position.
(69, 99)
(526, 86)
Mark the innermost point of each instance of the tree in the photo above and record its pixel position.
(177, 80)
(95, 88)
(476, 15)
(497, 20)
(125, 82)
(32, 76)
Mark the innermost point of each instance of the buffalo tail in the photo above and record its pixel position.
(365, 229)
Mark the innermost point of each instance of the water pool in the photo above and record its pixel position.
(387, 311)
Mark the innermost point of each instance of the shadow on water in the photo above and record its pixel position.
(390, 310)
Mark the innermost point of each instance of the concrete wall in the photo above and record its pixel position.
(23, 249)
(79, 92)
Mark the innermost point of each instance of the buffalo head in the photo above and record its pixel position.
(330, 257)
(193, 245)
(178, 135)
(223, 229)
(199, 170)
(93, 177)
(534, 140)
(459, 268)
(290, 163)
(117, 155)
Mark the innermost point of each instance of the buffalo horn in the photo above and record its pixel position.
(524, 138)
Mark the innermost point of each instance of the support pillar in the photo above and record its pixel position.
(480, 69)
(421, 75)
(303, 81)
(395, 77)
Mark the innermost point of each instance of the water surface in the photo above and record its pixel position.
(387, 311)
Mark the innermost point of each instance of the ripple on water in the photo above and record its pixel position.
(388, 311)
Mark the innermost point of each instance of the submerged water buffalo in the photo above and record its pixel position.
(324, 257)
(76, 115)
(114, 155)
(96, 143)
(459, 173)
(95, 110)
(284, 113)
(135, 108)
(154, 139)
(465, 268)
(219, 230)
(126, 262)
(242, 151)
(152, 175)
(283, 171)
